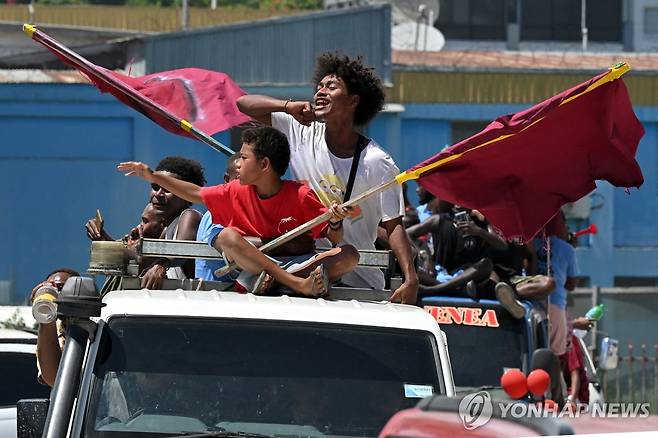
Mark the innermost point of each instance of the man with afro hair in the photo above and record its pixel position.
(324, 142)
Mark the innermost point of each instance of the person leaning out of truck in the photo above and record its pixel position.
(50, 340)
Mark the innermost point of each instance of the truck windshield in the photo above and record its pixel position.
(168, 376)
(483, 341)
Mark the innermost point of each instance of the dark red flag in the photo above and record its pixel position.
(523, 167)
(191, 102)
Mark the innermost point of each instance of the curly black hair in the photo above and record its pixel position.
(188, 170)
(358, 78)
(271, 143)
(69, 271)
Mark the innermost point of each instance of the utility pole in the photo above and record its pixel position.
(583, 22)
(213, 4)
(184, 14)
(422, 16)
(30, 10)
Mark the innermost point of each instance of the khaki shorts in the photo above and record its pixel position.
(519, 280)
(557, 318)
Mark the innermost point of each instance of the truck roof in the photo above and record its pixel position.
(216, 304)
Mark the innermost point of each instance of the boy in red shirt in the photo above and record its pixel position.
(260, 204)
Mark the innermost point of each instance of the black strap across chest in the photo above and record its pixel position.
(360, 146)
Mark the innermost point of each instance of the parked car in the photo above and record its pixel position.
(18, 376)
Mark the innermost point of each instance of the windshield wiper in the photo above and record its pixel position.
(221, 434)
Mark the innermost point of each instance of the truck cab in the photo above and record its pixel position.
(196, 358)
(485, 340)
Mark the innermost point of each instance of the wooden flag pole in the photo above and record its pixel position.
(303, 228)
(78, 60)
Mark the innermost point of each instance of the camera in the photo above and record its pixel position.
(462, 217)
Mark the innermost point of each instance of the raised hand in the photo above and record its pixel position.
(94, 227)
(39, 286)
(135, 168)
(301, 111)
(95, 230)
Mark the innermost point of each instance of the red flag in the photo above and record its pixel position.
(204, 98)
(523, 167)
(191, 102)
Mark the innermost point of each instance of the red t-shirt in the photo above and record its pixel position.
(239, 207)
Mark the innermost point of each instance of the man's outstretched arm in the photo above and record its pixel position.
(183, 189)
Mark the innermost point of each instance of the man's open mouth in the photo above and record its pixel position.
(321, 103)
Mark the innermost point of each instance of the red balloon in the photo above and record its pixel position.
(514, 383)
(538, 382)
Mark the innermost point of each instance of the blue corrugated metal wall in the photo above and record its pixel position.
(279, 50)
(61, 144)
(60, 147)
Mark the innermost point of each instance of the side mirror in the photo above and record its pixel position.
(31, 417)
(609, 355)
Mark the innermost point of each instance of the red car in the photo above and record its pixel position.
(440, 416)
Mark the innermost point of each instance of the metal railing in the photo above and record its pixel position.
(624, 327)
(635, 379)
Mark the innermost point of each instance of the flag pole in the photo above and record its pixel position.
(305, 227)
(78, 60)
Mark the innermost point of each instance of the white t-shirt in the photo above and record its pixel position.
(312, 163)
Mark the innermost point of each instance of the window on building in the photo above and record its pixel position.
(636, 282)
(559, 20)
(471, 19)
(651, 21)
(547, 20)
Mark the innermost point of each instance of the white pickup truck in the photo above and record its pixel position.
(218, 363)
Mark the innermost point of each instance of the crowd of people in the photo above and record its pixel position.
(460, 254)
(440, 248)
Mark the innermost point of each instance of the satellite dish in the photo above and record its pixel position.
(412, 20)
(413, 9)
(410, 10)
(417, 36)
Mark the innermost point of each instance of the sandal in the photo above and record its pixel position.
(326, 285)
(263, 284)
